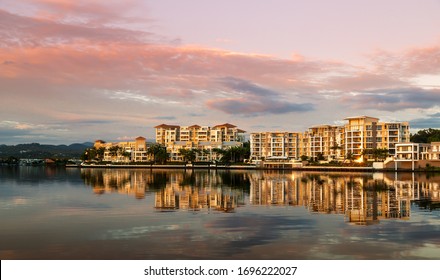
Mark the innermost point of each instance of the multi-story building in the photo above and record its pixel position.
(416, 155)
(226, 132)
(359, 134)
(434, 151)
(274, 145)
(124, 151)
(167, 133)
(391, 133)
(203, 139)
(323, 141)
(365, 132)
(331, 142)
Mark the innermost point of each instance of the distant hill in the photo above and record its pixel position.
(36, 150)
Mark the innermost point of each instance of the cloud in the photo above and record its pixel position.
(433, 121)
(164, 118)
(408, 63)
(253, 99)
(70, 62)
(393, 99)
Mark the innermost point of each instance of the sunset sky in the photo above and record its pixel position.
(76, 71)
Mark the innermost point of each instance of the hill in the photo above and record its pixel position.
(36, 150)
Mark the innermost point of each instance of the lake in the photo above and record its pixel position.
(93, 213)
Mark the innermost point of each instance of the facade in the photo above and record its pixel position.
(204, 140)
(365, 132)
(126, 151)
(323, 141)
(359, 134)
(167, 133)
(416, 155)
(274, 145)
(434, 151)
(331, 142)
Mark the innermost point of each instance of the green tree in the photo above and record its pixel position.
(113, 150)
(100, 153)
(376, 153)
(349, 156)
(320, 156)
(189, 155)
(426, 136)
(159, 153)
(89, 154)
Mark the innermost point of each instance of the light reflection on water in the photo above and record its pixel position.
(50, 213)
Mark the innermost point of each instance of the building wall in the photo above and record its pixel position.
(331, 141)
(203, 139)
(275, 145)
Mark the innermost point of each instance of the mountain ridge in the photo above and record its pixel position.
(37, 150)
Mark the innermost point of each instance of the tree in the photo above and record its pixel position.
(349, 156)
(100, 153)
(188, 155)
(320, 156)
(159, 153)
(235, 154)
(426, 136)
(376, 153)
(113, 151)
(89, 154)
(218, 152)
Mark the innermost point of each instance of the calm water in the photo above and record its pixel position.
(57, 213)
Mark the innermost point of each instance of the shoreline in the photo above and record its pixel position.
(249, 167)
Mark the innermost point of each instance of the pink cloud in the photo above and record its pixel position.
(408, 63)
(91, 60)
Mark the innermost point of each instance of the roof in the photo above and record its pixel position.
(166, 126)
(140, 138)
(360, 117)
(325, 126)
(194, 126)
(228, 125)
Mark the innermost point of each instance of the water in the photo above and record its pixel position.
(57, 213)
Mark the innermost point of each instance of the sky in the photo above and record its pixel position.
(77, 71)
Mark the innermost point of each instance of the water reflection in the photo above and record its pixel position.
(363, 199)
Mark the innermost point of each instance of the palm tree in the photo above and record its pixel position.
(189, 155)
(158, 152)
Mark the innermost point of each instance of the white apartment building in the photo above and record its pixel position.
(323, 140)
(331, 142)
(365, 132)
(434, 151)
(416, 155)
(274, 145)
(126, 151)
(203, 139)
(167, 134)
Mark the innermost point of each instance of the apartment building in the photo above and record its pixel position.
(416, 155)
(365, 132)
(323, 141)
(203, 139)
(125, 151)
(274, 145)
(331, 142)
(226, 132)
(167, 134)
(434, 151)
(359, 134)
(391, 133)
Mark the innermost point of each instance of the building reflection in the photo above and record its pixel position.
(185, 190)
(362, 199)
